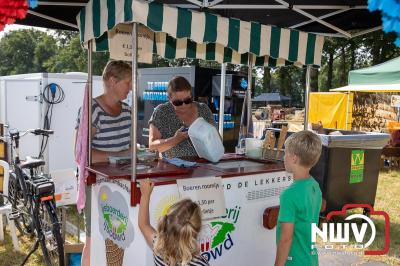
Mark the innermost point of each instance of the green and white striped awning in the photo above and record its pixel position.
(182, 33)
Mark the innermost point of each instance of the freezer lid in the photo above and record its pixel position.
(364, 140)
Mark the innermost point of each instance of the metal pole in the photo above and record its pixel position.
(90, 89)
(222, 100)
(134, 110)
(307, 97)
(347, 110)
(249, 86)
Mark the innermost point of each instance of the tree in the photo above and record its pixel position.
(72, 57)
(267, 79)
(25, 51)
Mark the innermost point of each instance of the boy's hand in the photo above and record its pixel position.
(146, 187)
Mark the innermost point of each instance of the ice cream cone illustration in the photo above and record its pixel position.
(115, 228)
(114, 254)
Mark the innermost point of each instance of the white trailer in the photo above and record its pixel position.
(22, 107)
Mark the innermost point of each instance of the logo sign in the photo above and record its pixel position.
(339, 233)
(357, 166)
(216, 236)
(115, 226)
(395, 101)
(207, 192)
(120, 43)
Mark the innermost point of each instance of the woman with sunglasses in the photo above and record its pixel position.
(170, 121)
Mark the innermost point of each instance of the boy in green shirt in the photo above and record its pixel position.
(300, 203)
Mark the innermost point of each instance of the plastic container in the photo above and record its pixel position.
(253, 148)
(348, 168)
(206, 140)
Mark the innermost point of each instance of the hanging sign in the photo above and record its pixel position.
(207, 192)
(120, 43)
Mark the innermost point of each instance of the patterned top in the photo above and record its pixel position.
(167, 122)
(196, 261)
(113, 133)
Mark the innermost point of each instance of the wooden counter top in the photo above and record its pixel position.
(162, 173)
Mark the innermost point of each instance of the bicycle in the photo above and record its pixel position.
(31, 195)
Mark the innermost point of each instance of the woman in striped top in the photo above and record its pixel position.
(174, 243)
(111, 125)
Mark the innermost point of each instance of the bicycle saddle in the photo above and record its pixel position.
(32, 163)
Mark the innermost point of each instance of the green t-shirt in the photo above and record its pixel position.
(300, 204)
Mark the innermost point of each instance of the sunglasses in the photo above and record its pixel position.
(180, 102)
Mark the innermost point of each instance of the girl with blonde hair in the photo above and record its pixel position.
(174, 243)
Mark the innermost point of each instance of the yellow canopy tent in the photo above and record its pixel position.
(332, 109)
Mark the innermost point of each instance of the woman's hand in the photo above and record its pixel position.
(181, 135)
(146, 187)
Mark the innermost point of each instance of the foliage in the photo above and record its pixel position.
(29, 51)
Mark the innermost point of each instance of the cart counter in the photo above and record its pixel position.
(250, 187)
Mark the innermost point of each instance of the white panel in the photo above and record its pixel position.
(23, 114)
(61, 144)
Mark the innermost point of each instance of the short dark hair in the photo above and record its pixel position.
(178, 83)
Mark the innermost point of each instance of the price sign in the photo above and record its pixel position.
(207, 192)
(120, 43)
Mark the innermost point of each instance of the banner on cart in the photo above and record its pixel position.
(207, 192)
(115, 226)
(120, 43)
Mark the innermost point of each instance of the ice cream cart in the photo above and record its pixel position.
(250, 187)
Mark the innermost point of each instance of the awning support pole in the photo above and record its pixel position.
(134, 111)
(347, 110)
(248, 91)
(90, 89)
(307, 96)
(222, 100)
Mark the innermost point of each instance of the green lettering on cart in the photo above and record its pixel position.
(357, 166)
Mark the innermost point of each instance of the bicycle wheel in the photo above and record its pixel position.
(51, 241)
(24, 222)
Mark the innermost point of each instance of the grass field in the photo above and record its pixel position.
(387, 199)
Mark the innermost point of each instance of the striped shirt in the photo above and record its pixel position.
(196, 261)
(112, 132)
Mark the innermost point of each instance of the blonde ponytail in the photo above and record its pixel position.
(177, 232)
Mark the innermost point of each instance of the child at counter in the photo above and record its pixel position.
(175, 240)
(300, 203)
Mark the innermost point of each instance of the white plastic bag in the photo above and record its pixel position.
(206, 140)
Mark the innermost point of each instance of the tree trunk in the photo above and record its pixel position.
(353, 48)
(343, 72)
(267, 79)
(284, 81)
(330, 71)
(376, 48)
(314, 79)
